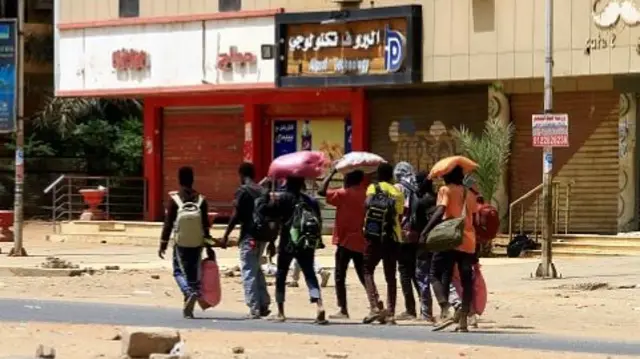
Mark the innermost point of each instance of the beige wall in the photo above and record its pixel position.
(463, 39)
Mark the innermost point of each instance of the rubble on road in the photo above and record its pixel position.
(57, 263)
(43, 352)
(142, 342)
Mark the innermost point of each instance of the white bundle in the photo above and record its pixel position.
(365, 161)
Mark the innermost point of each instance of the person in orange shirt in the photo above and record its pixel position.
(453, 199)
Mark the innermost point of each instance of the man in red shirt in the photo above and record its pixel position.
(347, 231)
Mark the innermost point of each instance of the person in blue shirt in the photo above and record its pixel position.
(284, 203)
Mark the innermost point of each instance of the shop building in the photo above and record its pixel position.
(470, 60)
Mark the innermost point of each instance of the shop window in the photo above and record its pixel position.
(229, 5)
(129, 8)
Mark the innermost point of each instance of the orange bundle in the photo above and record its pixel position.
(447, 164)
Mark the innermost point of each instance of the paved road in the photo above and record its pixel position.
(15, 310)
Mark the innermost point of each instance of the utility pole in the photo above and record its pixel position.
(18, 222)
(546, 269)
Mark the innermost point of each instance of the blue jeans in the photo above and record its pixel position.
(423, 273)
(186, 269)
(306, 261)
(256, 295)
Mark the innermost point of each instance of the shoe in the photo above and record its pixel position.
(473, 321)
(462, 323)
(406, 316)
(445, 313)
(293, 285)
(373, 316)
(189, 306)
(389, 320)
(321, 318)
(264, 312)
(428, 319)
(324, 278)
(280, 318)
(339, 315)
(253, 316)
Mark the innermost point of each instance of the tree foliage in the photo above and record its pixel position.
(491, 150)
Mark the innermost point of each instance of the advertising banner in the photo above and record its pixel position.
(8, 75)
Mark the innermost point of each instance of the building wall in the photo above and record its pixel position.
(463, 39)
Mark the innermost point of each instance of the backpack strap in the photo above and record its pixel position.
(464, 203)
(176, 198)
(200, 199)
(377, 188)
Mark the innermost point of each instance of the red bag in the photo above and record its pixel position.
(479, 301)
(307, 164)
(488, 223)
(211, 293)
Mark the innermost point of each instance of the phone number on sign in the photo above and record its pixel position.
(552, 141)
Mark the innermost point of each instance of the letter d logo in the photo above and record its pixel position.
(394, 50)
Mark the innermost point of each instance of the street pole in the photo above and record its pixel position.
(546, 269)
(18, 222)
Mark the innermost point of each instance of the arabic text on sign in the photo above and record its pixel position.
(340, 65)
(285, 128)
(333, 39)
(226, 60)
(129, 60)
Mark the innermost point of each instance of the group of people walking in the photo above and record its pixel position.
(385, 222)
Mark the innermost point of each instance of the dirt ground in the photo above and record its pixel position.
(93, 342)
(598, 297)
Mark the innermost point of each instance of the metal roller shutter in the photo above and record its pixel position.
(591, 161)
(210, 140)
(416, 126)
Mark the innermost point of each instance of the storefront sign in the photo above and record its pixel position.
(141, 57)
(226, 61)
(130, 60)
(8, 76)
(285, 135)
(550, 130)
(602, 41)
(372, 46)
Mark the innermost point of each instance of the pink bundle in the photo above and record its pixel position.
(307, 164)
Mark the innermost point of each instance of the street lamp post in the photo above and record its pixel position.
(18, 205)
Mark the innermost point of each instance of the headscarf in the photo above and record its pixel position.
(405, 178)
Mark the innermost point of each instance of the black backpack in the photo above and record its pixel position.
(306, 227)
(380, 216)
(519, 243)
(266, 225)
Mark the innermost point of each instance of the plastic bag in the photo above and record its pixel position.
(364, 161)
(210, 284)
(447, 164)
(307, 164)
(479, 301)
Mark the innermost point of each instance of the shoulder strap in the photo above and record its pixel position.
(176, 198)
(377, 187)
(200, 199)
(464, 203)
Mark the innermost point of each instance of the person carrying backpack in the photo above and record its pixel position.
(408, 248)
(384, 206)
(425, 208)
(188, 222)
(300, 234)
(254, 238)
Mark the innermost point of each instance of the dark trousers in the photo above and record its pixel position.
(343, 257)
(442, 272)
(186, 269)
(407, 255)
(387, 253)
(305, 260)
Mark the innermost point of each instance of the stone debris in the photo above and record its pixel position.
(43, 352)
(155, 276)
(237, 350)
(585, 286)
(337, 355)
(112, 267)
(57, 263)
(142, 342)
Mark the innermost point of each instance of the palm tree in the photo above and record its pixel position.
(491, 151)
(63, 113)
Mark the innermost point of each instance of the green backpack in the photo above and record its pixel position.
(448, 234)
